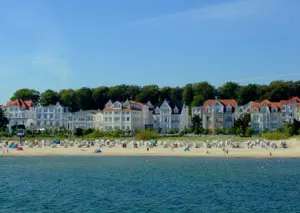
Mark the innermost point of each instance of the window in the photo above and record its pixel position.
(128, 118)
(117, 118)
(45, 116)
(45, 110)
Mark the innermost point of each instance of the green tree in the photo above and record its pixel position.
(3, 119)
(187, 94)
(26, 95)
(165, 93)
(49, 97)
(100, 96)
(204, 89)
(248, 93)
(228, 90)
(198, 100)
(67, 97)
(149, 93)
(196, 124)
(84, 98)
(243, 123)
(176, 95)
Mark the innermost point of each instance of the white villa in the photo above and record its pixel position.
(20, 112)
(266, 115)
(166, 118)
(218, 114)
(89, 119)
(49, 117)
(129, 115)
(289, 109)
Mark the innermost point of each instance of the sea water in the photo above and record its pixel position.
(149, 184)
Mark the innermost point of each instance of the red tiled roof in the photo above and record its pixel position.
(224, 102)
(291, 100)
(137, 103)
(267, 102)
(20, 103)
(298, 105)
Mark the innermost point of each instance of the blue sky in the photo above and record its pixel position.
(73, 43)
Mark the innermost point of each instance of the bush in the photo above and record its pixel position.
(87, 131)
(219, 131)
(229, 131)
(146, 135)
(78, 132)
(182, 133)
(239, 131)
(95, 134)
(173, 131)
(205, 132)
(275, 136)
(249, 132)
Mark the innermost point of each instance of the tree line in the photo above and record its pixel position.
(191, 94)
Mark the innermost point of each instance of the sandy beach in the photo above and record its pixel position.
(293, 150)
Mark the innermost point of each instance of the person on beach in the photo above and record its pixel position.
(270, 153)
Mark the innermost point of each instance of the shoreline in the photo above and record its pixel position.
(160, 152)
(293, 151)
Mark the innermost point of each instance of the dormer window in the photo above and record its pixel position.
(207, 109)
(228, 108)
(176, 110)
(157, 111)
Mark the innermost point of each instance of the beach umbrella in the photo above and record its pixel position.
(97, 151)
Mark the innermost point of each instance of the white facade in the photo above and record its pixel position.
(98, 121)
(165, 118)
(127, 116)
(20, 112)
(90, 119)
(50, 117)
(218, 114)
(288, 109)
(265, 116)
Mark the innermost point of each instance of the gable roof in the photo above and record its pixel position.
(291, 100)
(20, 103)
(125, 107)
(224, 102)
(266, 102)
